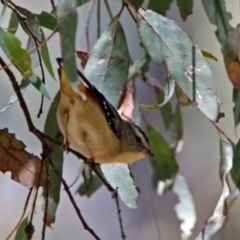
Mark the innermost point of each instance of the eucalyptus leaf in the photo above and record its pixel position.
(185, 208)
(68, 17)
(46, 57)
(164, 163)
(160, 7)
(52, 130)
(136, 67)
(19, 55)
(185, 8)
(184, 62)
(219, 217)
(107, 66)
(39, 85)
(118, 175)
(218, 15)
(13, 23)
(47, 20)
(20, 234)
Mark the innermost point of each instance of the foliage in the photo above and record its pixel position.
(108, 66)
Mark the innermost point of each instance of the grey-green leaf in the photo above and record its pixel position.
(185, 8)
(67, 28)
(136, 67)
(185, 208)
(47, 20)
(107, 66)
(160, 7)
(13, 23)
(94, 185)
(38, 84)
(118, 175)
(220, 214)
(166, 42)
(46, 57)
(218, 15)
(52, 130)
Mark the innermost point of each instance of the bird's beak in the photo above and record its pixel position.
(148, 153)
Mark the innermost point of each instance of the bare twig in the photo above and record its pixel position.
(98, 18)
(134, 18)
(23, 213)
(52, 3)
(46, 202)
(85, 225)
(108, 9)
(88, 23)
(115, 195)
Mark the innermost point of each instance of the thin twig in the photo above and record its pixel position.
(134, 18)
(108, 9)
(88, 23)
(98, 18)
(85, 225)
(123, 236)
(23, 213)
(46, 202)
(52, 3)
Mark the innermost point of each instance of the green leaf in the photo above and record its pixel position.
(94, 185)
(218, 15)
(166, 42)
(47, 20)
(209, 55)
(136, 3)
(107, 66)
(52, 130)
(13, 45)
(136, 67)
(82, 2)
(185, 208)
(185, 8)
(13, 23)
(31, 45)
(68, 17)
(39, 85)
(32, 28)
(46, 57)
(3, 45)
(32, 23)
(160, 7)
(164, 164)
(118, 175)
(172, 121)
(20, 234)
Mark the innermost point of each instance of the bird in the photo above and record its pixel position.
(93, 127)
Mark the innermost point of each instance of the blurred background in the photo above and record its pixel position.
(154, 217)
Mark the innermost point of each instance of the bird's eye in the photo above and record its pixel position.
(138, 139)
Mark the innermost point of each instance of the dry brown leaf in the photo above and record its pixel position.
(83, 56)
(25, 167)
(127, 106)
(233, 70)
